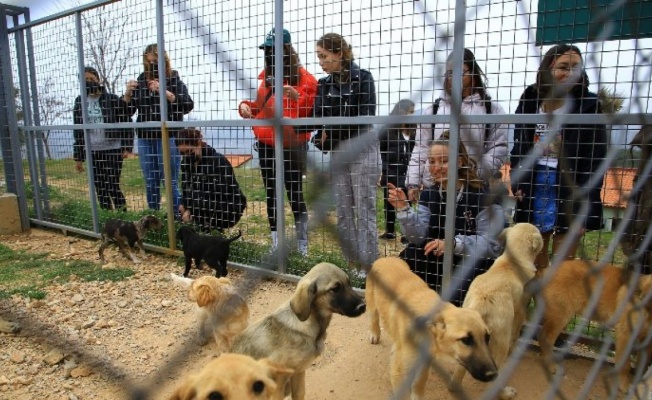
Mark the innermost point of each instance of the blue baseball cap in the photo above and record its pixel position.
(269, 39)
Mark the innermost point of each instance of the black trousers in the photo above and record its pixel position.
(107, 168)
(430, 268)
(294, 163)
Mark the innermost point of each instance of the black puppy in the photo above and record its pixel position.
(127, 234)
(212, 249)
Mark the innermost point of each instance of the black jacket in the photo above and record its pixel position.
(149, 107)
(211, 191)
(395, 153)
(584, 147)
(349, 99)
(114, 110)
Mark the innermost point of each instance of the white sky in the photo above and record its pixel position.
(392, 39)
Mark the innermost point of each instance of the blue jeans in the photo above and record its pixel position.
(150, 153)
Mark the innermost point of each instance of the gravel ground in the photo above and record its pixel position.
(90, 340)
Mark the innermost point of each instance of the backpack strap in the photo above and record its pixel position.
(487, 128)
(435, 108)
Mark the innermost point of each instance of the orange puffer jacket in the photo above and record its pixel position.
(302, 107)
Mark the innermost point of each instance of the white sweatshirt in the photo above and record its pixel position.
(490, 153)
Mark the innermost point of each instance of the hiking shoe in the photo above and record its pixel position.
(388, 236)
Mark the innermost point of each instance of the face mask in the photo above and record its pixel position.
(92, 87)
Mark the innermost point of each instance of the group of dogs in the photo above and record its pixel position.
(268, 359)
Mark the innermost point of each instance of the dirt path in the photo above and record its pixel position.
(89, 340)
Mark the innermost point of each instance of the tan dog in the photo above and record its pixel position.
(400, 299)
(235, 377)
(568, 293)
(220, 308)
(294, 334)
(498, 295)
(633, 329)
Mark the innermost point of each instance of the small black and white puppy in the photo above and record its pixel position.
(127, 234)
(212, 249)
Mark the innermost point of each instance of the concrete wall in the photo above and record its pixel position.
(9, 214)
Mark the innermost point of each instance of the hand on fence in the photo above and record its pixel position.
(290, 92)
(435, 246)
(396, 197)
(413, 194)
(245, 110)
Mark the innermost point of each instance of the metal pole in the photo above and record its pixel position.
(278, 133)
(44, 205)
(87, 140)
(165, 134)
(9, 107)
(27, 118)
(456, 100)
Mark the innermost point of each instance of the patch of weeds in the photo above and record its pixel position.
(27, 274)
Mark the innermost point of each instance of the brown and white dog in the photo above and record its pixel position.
(413, 315)
(294, 334)
(127, 234)
(221, 309)
(235, 377)
(498, 295)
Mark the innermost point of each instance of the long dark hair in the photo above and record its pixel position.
(545, 82)
(335, 43)
(479, 79)
(291, 64)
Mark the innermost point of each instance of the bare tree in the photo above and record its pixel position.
(106, 43)
(51, 107)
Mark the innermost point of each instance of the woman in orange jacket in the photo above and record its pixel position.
(299, 90)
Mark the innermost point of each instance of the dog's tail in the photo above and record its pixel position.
(236, 237)
(181, 281)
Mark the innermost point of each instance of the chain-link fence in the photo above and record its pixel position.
(124, 109)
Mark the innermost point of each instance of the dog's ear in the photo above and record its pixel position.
(301, 302)
(502, 238)
(277, 372)
(186, 391)
(204, 294)
(536, 241)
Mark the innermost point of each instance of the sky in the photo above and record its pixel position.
(212, 42)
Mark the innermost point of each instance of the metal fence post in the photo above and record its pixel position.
(10, 138)
(165, 134)
(87, 139)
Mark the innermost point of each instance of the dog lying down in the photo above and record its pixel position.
(402, 302)
(498, 295)
(235, 377)
(294, 334)
(569, 292)
(127, 234)
(221, 309)
(212, 249)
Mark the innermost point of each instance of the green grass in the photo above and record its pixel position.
(28, 274)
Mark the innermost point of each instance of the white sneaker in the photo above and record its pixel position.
(302, 247)
(360, 273)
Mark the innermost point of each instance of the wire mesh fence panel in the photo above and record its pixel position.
(348, 132)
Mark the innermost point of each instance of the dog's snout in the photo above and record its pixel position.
(491, 375)
(361, 308)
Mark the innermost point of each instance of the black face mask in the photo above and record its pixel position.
(92, 87)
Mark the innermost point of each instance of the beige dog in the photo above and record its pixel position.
(235, 377)
(498, 295)
(220, 308)
(294, 334)
(400, 299)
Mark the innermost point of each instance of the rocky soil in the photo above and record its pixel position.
(135, 339)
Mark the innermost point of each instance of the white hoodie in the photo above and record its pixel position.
(490, 153)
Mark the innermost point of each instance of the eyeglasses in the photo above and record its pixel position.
(449, 73)
(567, 70)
